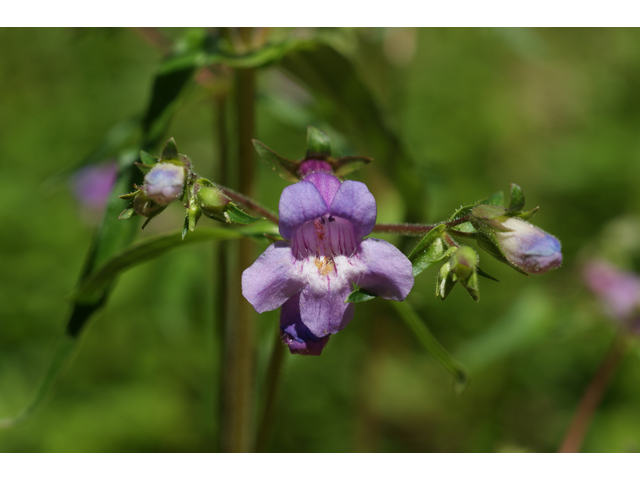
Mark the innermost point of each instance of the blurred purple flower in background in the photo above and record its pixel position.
(92, 184)
(311, 273)
(618, 291)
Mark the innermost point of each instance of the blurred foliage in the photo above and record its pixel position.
(472, 110)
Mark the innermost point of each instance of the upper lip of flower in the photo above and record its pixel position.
(325, 221)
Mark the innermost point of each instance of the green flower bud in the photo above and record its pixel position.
(212, 201)
(464, 262)
(146, 207)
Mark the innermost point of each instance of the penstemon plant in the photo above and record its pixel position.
(319, 260)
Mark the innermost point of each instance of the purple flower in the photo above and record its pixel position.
(164, 182)
(527, 247)
(618, 291)
(92, 184)
(311, 273)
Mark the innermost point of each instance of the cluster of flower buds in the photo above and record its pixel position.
(170, 178)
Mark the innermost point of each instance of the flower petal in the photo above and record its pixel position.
(322, 307)
(326, 183)
(354, 202)
(295, 334)
(299, 203)
(388, 272)
(272, 279)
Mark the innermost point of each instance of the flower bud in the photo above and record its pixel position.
(165, 182)
(146, 207)
(618, 291)
(212, 201)
(527, 247)
(463, 262)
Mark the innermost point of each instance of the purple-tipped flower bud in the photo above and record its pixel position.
(527, 247)
(165, 182)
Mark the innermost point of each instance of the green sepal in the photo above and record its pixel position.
(185, 225)
(127, 213)
(360, 295)
(148, 159)
(430, 250)
(143, 167)
(487, 212)
(445, 281)
(516, 203)
(287, 169)
(318, 144)
(527, 215)
(235, 215)
(345, 165)
(129, 196)
(493, 199)
(193, 215)
(484, 274)
(170, 150)
(471, 285)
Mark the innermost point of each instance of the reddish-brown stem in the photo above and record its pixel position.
(592, 395)
(249, 203)
(415, 229)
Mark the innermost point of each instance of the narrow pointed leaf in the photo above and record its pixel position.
(360, 295)
(127, 213)
(148, 249)
(346, 165)
(287, 169)
(471, 285)
(235, 215)
(529, 214)
(426, 339)
(484, 274)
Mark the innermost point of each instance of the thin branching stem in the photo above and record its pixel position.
(594, 392)
(415, 229)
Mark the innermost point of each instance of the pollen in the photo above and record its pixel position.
(324, 265)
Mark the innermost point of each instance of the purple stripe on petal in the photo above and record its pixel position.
(295, 334)
(354, 202)
(323, 311)
(388, 272)
(299, 203)
(326, 184)
(272, 278)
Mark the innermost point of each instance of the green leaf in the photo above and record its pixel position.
(516, 203)
(127, 214)
(484, 274)
(235, 215)
(287, 169)
(430, 250)
(431, 344)
(360, 295)
(488, 212)
(494, 199)
(148, 159)
(148, 249)
(346, 165)
(318, 144)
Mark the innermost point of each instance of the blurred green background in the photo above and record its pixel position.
(556, 111)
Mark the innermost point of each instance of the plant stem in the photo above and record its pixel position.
(239, 342)
(574, 437)
(272, 384)
(249, 203)
(415, 229)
